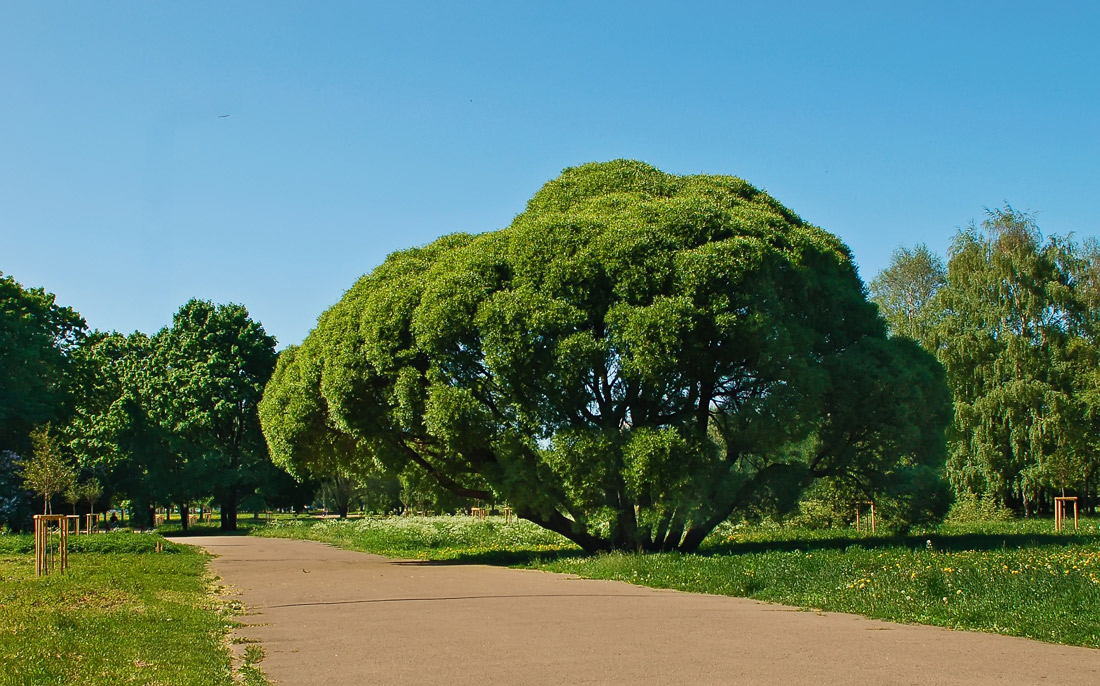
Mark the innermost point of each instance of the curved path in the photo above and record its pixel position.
(332, 617)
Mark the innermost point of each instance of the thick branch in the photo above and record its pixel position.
(559, 523)
(443, 479)
(698, 531)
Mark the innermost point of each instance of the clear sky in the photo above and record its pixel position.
(359, 128)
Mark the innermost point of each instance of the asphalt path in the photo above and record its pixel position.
(333, 617)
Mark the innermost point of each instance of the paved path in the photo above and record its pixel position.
(333, 617)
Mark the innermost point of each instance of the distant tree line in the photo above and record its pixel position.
(1014, 318)
(99, 418)
(635, 359)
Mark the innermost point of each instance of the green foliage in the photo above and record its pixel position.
(907, 498)
(115, 432)
(969, 507)
(37, 341)
(1010, 341)
(15, 500)
(458, 538)
(46, 472)
(635, 358)
(89, 491)
(906, 290)
(37, 337)
(109, 543)
(213, 363)
(1013, 319)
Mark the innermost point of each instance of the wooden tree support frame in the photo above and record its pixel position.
(859, 506)
(48, 528)
(1060, 512)
(91, 524)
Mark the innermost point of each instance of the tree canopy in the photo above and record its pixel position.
(37, 337)
(46, 472)
(634, 359)
(1013, 319)
(155, 420)
(905, 290)
(213, 363)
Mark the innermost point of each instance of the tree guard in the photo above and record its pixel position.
(1060, 512)
(859, 507)
(51, 543)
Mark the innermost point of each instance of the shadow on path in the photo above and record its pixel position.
(368, 601)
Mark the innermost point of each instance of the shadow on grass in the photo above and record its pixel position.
(940, 542)
(498, 558)
(175, 531)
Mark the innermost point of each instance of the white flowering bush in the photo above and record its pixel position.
(439, 538)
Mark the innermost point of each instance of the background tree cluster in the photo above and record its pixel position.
(635, 359)
(1014, 318)
(38, 339)
(161, 420)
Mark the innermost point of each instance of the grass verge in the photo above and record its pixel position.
(122, 614)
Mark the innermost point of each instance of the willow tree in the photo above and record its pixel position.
(1010, 317)
(634, 359)
(1084, 353)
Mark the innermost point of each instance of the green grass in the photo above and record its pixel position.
(1017, 578)
(122, 614)
(250, 672)
(1050, 593)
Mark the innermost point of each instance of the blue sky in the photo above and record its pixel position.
(359, 128)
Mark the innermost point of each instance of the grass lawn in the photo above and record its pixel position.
(122, 614)
(1016, 578)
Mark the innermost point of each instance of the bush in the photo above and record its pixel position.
(969, 507)
(107, 543)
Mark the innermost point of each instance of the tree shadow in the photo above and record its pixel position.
(934, 541)
(199, 530)
(939, 542)
(498, 558)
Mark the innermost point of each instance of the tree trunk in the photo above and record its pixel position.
(228, 502)
(185, 516)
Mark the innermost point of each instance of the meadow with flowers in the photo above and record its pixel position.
(1016, 578)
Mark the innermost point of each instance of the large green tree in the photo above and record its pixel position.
(1008, 336)
(37, 337)
(1084, 355)
(115, 433)
(212, 364)
(637, 357)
